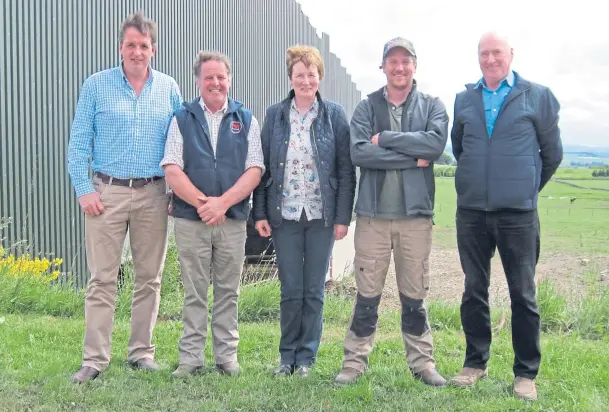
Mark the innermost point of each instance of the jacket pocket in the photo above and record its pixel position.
(269, 182)
(366, 276)
(416, 194)
(512, 182)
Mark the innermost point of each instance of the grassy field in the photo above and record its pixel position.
(573, 173)
(39, 353)
(591, 183)
(578, 227)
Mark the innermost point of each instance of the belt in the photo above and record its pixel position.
(136, 183)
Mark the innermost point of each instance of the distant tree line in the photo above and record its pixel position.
(600, 172)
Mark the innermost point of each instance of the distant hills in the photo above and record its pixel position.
(588, 150)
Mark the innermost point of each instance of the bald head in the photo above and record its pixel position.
(495, 57)
(495, 37)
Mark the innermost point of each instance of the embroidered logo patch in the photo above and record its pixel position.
(235, 127)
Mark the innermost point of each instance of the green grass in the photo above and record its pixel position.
(40, 353)
(598, 183)
(579, 227)
(573, 173)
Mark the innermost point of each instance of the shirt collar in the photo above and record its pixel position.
(222, 109)
(385, 96)
(509, 80)
(313, 107)
(124, 76)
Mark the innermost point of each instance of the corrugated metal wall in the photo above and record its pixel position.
(49, 47)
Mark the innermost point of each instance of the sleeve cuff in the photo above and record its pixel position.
(84, 189)
(259, 165)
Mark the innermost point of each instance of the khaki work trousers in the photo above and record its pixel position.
(410, 240)
(144, 212)
(210, 254)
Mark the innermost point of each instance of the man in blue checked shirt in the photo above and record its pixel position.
(121, 123)
(507, 143)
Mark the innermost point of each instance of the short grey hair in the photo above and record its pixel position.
(142, 24)
(205, 56)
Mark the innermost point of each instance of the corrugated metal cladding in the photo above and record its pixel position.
(49, 47)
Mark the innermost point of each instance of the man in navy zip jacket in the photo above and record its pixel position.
(507, 143)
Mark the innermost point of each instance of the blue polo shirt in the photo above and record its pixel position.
(493, 99)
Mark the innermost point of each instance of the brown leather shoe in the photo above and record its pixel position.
(145, 364)
(230, 368)
(525, 389)
(86, 373)
(468, 377)
(430, 377)
(348, 376)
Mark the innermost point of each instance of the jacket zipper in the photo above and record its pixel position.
(319, 170)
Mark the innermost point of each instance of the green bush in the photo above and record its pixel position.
(444, 171)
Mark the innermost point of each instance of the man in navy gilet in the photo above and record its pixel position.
(506, 140)
(213, 161)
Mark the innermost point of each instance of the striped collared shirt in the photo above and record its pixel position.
(125, 134)
(174, 149)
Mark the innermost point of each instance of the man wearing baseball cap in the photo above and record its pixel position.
(396, 135)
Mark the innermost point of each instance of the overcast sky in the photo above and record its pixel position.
(563, 47)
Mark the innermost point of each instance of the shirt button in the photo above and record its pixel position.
(494, 110)
(495, 93)
(286, 142)
(280, 164)
(278, 207)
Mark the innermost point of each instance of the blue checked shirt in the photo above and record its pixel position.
(123, 133)
(493, 99)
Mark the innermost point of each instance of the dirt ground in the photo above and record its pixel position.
(568, 274)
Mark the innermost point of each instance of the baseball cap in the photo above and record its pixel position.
(398, 42)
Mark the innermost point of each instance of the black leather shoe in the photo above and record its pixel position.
(283, 370)
(302, 371)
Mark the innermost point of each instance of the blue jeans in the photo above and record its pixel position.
(303, 250)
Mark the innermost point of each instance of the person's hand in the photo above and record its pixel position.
(375, 139)
(222, 220)
(422, 163)
(340, 231)
(212, 210)
(170, 207)
(91, 204)
(263, 228)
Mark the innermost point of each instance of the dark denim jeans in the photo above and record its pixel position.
(516, 236)
(303, 251)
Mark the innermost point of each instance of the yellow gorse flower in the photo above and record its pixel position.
(43, 269)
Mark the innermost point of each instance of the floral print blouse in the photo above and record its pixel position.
(301, 187)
